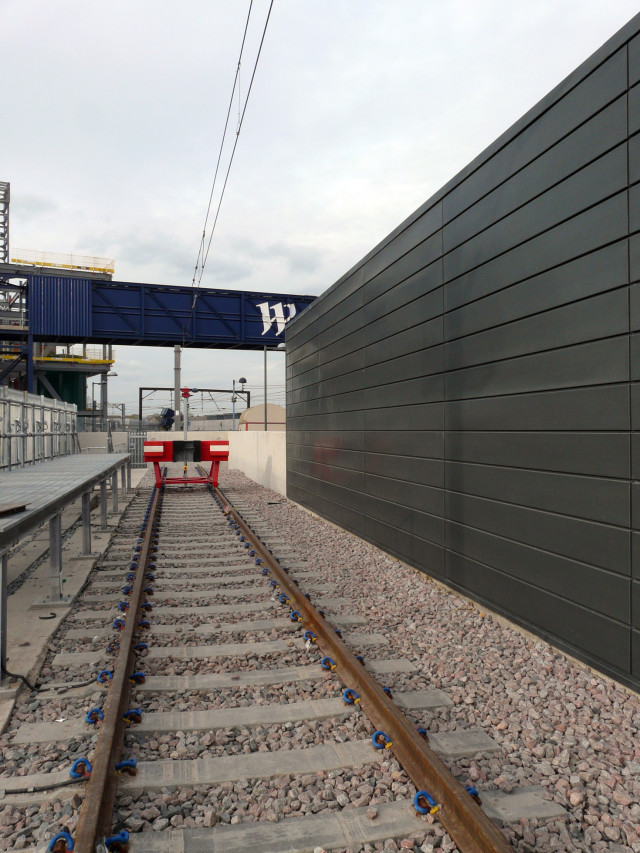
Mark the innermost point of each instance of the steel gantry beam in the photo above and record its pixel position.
(70, 309)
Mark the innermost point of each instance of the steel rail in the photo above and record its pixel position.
(461, 816)
(96, 813)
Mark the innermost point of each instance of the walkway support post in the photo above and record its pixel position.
(86, 523)
(114, 492)
(4, 570)
(103, 505)
(55, 557)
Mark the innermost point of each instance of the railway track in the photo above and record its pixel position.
(242, 703)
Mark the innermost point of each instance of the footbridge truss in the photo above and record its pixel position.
(72, 309)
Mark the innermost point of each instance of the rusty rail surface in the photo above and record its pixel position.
(461, 816)
(96, 813)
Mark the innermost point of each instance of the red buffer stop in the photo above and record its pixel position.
(186, 451)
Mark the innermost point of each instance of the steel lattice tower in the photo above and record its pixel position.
(5, 196)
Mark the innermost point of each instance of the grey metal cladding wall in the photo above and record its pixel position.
(634, 320)
(467, 397)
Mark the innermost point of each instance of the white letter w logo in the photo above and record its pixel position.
(275, 314)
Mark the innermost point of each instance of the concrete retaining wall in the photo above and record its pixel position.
(262, 456)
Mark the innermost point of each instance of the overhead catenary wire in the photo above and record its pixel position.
(233, 151)
(236, 80)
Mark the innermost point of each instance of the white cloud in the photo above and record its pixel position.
(359, 112)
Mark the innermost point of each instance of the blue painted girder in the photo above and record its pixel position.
(79, 310)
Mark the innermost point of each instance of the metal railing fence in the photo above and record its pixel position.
(34, 428)
(136, 449)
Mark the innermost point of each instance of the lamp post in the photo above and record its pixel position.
(103, 398)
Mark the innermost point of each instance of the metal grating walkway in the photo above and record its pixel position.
(48, 487)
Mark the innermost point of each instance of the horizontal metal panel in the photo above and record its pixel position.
(60, 308)
(424, 362)
(326, 438)
(634, 355)
(587, 187)
(339, 514)
(634, 60)
(349, 318)
(635, 497)
(634, 308)
(327, 472)
(635, 547)
(588, 142)
(415, 234)
(634, 213)
(634, 257)
(388, 286)
(382, 324)
(600, 591)
(425, 389)
(634, 109)
(427, 499)
(428, 472)
(594, 363)
(298, 365)
(420, 337)
(599, 317)
(303, 395)
(586, 541)
(410, 366)
(593, 498)
(590, 408)
(417, 258)
(635, 604)
(345, 383)
(596, 454)
(329, 300)
(598, 271)
(635, 456)
(419, 417)
(336, 422)
(602, 224)
(348, 498)
(582, 629)
(406, 325)
(598, 89)
(404, 305)
(413, 550)
(302, 351)
(424, 444)
(634, 159)
(407, 521)
(345, 364)
(302, 379)
(328, 456)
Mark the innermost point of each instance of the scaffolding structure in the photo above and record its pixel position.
(5, 196)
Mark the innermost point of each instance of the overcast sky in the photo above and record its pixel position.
(360, 110)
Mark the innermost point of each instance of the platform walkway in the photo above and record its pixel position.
(56, 494)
